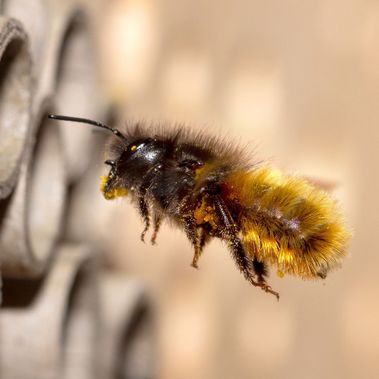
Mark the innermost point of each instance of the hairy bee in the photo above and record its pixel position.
(208, 189)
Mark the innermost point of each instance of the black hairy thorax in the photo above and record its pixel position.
(162, 169)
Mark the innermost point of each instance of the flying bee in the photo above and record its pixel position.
(209, 190)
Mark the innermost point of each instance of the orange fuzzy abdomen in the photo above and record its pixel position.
(287, 222)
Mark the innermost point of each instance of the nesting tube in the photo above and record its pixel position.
(35, 18)
(50, 326)
(78, 94)
(45, 22)
(15, 100)
(66, 69)
(31, 219)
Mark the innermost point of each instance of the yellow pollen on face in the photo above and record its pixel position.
(112, 194)
(103, 182)
(133, 148)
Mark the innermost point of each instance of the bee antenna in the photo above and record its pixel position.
(115, 131)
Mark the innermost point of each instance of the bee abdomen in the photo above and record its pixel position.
(288, 222)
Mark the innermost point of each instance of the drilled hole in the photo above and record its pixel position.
(15, 96)
(77, 94)
(46, 190)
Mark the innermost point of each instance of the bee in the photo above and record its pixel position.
(208, 189)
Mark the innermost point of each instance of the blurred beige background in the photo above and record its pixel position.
(300, 80)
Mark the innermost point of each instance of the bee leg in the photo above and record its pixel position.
(197, 235)
(191, 230)
(260, 270)
(144, 211)
(142, 203)
(201, 239)
(157, 224)
(230, 233)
